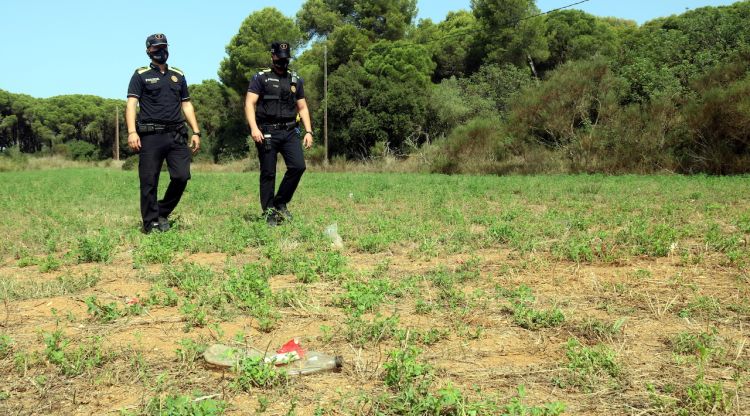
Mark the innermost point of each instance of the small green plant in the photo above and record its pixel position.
(698, 398)
(595, 329)
(64, 284)
(286, 298)
(328, 265)
(194, 315)
(159, 248)
(703, 398)
(588, 366)
(326, 334)
(362, 297)
(95, 248)
(180, 405)
(189, 351)
(522, 293)
(109, 312)
(102, 312)
(687, 344)
(423, 307)
(72, 361)
(161, 295)
(403, 371)
(361, 333)
(49, 264)
(706, 307)
(427, 337)
(255, 372)
(532, 319)
(516, 407)
(6, 346)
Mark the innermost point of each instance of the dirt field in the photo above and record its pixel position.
(542, 295)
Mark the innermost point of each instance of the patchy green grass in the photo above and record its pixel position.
(452, 295)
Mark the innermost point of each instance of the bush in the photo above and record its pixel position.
(720, 121)
(61, 149)
(315, 155)
(130, 163)
(81, 150)
(480, 146)
(12, 159)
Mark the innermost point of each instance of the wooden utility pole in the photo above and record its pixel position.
(116, 142)
(325, 101)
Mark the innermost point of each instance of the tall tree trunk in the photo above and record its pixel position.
(532, 66)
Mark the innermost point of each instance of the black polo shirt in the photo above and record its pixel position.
(160, 96)
(258, 83)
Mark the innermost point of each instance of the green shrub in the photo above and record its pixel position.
(480, 146)
(315, 155)
(131, 163)
(82, 150)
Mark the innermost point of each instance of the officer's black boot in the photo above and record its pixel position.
(148, 229)
(284, 213)
(272, 218)
(163, 224)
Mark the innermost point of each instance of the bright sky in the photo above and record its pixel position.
(54, 47)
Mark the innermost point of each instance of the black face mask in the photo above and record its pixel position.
(281, 64)
(160, 56)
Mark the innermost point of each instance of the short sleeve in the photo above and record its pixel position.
(135, 89)
(184, 94)
(256, 87)
(300, 89)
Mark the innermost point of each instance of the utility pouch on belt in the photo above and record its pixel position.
(181, 134)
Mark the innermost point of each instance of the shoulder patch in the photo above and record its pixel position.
(142, 69)
(178, 70)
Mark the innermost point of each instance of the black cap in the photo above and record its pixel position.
(156, 39)
(281, 49)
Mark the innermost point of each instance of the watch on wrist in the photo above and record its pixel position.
(197, 133)
(309, 132)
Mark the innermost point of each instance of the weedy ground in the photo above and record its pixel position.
(543, 295)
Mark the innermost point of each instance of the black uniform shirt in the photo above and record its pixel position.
(278, 95)
(257, 86)
(160, 96)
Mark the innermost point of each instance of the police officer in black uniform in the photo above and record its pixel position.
(274, 99)
(159, 133)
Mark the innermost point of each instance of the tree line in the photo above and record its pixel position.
(495, 89)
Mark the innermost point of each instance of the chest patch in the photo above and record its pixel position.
(151, 80)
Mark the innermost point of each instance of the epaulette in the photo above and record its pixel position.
(263, 71)
(142, 69)
(178, 70)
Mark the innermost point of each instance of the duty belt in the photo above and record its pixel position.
(155, 128)
(279, 126)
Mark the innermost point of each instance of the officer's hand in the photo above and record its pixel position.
(257, 135)
(308, 140)
(195, 143)
(134, 141)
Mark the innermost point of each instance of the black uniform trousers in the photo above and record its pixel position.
(155, 148)
(287, 143)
